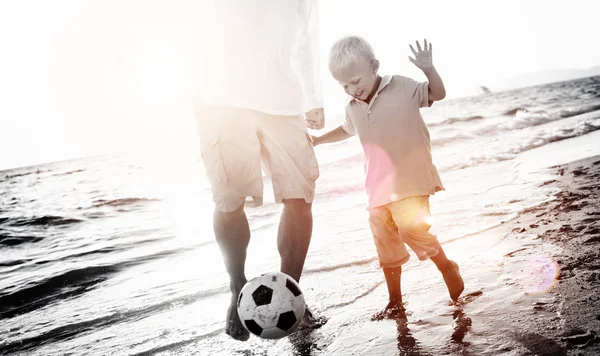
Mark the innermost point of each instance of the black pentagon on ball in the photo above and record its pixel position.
(253, 327)
(293, 288)
(286, 320)
(262, 295)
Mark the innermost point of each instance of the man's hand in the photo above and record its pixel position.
(423, 57)
(315, 119)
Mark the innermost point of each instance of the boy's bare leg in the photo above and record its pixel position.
(392, 278)
(394, 309)
(293, 240)
(451, 274)
(232, 233)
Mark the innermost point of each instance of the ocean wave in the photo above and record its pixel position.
(14, 240)
(68, 173)
(100, 251)
(531, 143)
(523, 119)
(586, 128)
(70, 330)
(47, 220)
(339, 266)
(105, 251)
(578, 111)
(57, 334)
(179, 344)
(513, 112)
(460, 136)
(17, 175)
(454, 120)
(121, 201)
(71, 283)
(479, 160)
(540, 116)
(562, 134)
(59, 287)
(95, 215)
(12, 263)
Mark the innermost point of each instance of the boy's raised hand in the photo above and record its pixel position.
(423, 57)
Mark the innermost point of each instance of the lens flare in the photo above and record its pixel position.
(541, 275)
(429, 220)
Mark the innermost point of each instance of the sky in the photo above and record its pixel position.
(93, 77)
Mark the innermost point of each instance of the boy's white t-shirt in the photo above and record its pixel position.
(259, 54)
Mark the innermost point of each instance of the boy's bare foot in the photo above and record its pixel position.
(453, 280)
(394, 310)
(233, 324)
(309, 321)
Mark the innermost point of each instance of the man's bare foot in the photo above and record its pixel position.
(309, 321)
(233, 326)
(394, 310)
(453, 280)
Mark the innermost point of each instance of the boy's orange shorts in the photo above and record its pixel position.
(399, 223)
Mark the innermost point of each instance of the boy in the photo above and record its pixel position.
(400, 175)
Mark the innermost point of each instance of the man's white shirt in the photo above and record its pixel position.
(261, 55)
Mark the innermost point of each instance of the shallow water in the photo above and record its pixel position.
(116, 253)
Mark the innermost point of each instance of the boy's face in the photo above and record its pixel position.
(358, 79)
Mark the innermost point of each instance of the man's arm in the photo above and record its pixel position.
(336, 135)
(306, 62)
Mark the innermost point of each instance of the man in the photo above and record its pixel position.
(258, 84)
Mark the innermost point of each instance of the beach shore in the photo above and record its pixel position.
(537, 291)
(126, 262)
(532, 288)
(572, 222)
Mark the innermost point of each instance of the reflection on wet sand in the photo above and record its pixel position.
(408, 345)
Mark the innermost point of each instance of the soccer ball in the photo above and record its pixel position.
(271, 306)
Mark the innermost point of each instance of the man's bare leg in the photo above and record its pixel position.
(293, 240)
(232, 233)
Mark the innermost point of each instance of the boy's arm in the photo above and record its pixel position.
(336, 135)
(424, 61)
(437, 91)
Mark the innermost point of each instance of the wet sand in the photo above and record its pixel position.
(573, 223)
(532, 286)
(535, 291)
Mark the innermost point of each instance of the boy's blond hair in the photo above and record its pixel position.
(350, 50)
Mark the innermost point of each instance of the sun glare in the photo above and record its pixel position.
(159, 73)
(429, 220)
